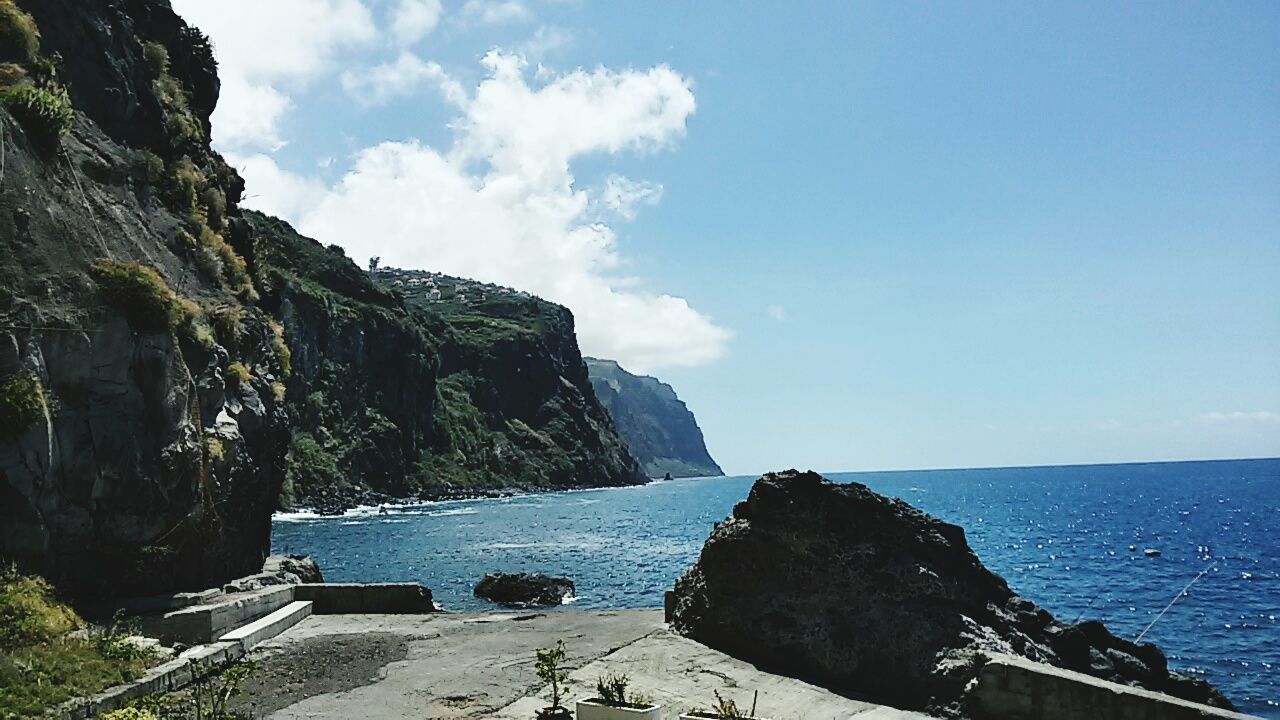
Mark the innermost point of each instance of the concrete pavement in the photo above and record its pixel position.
(384, 667)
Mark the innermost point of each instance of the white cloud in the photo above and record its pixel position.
(624, 196)
(414, 19)
(265, 50)
(1257, 416)
(381, 84)
(777, 312)
(274, 191)
(494, 12)
(546, 40)
(500, 205)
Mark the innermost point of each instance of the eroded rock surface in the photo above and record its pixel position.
(873, 598)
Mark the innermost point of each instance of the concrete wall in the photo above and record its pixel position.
(1014, 688)
(344, 598)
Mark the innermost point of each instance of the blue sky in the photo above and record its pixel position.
(852, 235)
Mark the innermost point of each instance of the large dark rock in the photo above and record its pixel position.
(870, 597)
(524, 589)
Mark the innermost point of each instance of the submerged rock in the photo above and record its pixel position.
(871, 597)
(523, 590)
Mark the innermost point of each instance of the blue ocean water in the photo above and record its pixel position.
(1059, 535)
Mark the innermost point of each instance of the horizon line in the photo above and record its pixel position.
(1025, 467)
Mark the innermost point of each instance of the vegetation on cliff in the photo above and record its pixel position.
(394, 396)
(658, 427)
(42, 663)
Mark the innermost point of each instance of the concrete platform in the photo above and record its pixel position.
(380, 667)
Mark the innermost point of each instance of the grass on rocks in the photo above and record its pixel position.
(49, 655)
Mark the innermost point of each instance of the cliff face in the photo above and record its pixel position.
(658, 427)
(870, 597)
(171, 369)
(397, 393)
(141, 424)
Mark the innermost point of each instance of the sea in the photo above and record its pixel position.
(1071, 538)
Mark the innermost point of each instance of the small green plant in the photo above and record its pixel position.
(611, 689)
(238, 374)
(228, 324)
(728, 709)
(22, 404)
(46, 113)
(147, 168)
(129, 713)
(19, 38)
(215, 449)
(215, 207)
(196, 328)
(549, 666)
(144, 296)
(278, 345)
(207, 698)
(278, 391)
(157, 58)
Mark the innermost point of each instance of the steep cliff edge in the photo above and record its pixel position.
(870, 597)
(398, 393)
(141, 416)
(658, 427)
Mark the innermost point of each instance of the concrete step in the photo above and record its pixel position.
(202, 624)
(269, 626)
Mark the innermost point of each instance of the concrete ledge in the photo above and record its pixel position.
(1014, 688)
(267, 627)
(343, 598)
(204, 623)
(168, 677)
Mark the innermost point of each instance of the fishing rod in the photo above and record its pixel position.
(1174, 600)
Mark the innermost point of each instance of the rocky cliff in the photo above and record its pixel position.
(870, 597)
(142, 425)
(658, 427)
(398, 392)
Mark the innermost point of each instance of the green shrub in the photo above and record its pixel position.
(228, 324)
(42, 664)
(184, 184)
(310, 466)
(129, 713)
(238, 374)
(11, 74)
(283, 354)
(22, 404)
(196, 328)
(45, 114)
(157, 58)
(138, 290)
(19, 38)
(611, 688)
(29, 614)
(215, 207)
(148, 168)
(550, 668)
(278, 391)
